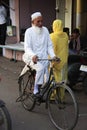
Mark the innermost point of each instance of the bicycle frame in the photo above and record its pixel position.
(49, 84)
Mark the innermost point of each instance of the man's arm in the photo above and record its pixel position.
(50, 46)
(27, 44)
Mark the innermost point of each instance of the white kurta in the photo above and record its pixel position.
(3, 15)
(40, 45)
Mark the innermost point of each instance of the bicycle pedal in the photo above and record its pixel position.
(38, 103)
(20, 99)
(36, 96)
(52, 101)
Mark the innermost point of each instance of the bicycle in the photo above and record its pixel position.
(5, 119)
(63, 113)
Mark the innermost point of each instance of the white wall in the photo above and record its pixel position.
(68, 13)
(81, 16)
(65, 10)
(60, 10)
(12, 11)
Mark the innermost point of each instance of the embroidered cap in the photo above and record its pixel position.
(35, 15)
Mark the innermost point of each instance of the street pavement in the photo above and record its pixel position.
(38, 119)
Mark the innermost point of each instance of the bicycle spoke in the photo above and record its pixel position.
(26, 91)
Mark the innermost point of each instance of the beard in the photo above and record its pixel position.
(38, 30)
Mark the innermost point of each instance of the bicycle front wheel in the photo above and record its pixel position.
(26, 85)
(62, 108)
(5, 119)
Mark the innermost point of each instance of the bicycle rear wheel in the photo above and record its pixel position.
(63, 110)
(5, 119)
(26, 85)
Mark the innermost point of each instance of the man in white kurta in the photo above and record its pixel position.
(37, 45)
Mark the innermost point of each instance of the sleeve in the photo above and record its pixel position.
(27, 44)
(4, 12)
(50, 47)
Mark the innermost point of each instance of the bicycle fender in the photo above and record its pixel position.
(2, 103)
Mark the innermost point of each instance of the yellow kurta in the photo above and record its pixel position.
(60, 44)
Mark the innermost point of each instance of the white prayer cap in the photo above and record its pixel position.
(35, 15)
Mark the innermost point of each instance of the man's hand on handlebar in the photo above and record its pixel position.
(35, 59)
(56, 59)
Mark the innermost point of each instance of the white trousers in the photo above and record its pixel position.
(42, 73)
(41, 68)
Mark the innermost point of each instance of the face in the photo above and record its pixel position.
(38, 22)
(75, 35)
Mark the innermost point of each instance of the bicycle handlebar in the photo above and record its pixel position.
(53, 59)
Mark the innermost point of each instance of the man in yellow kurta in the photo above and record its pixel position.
(60, 44)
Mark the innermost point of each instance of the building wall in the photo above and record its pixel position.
(12, 11)
(10, 55)
(81, 16)
(46, 7)
(72, 12)
(76, 15)
(60, 10)
(68, 14)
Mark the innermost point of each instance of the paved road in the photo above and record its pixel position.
(38, 119)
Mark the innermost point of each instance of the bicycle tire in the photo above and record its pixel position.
(26, 85)
(5, 119)
(63, 112)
